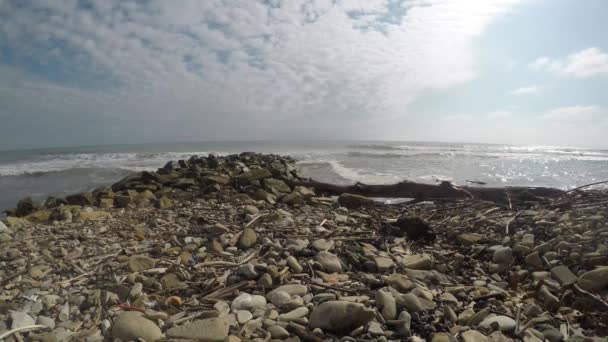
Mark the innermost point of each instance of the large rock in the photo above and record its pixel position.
(25, 207)
(354, 201)
(204, 330)
(564, 275)
(594, 280)
(276, 186)
(340, 316)
(82, 199)
(138, 263)
(293, 198)
(248, 238)
(503, 255)
(20, 319)
(386, 304)
(330, 262)
(253, 175)
(131, 325)
(417, 262)
(504, 323)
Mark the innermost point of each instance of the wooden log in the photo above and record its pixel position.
(421, 191)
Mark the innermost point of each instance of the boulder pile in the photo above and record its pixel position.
(227, 249)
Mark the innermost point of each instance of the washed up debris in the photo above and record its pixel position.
(229, 249)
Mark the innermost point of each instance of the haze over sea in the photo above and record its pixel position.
(60, 171)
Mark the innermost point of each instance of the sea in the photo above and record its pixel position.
(39, 173)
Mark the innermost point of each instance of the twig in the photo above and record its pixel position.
(586, 185)
(590, 295)
(254, 219)
(26, 328)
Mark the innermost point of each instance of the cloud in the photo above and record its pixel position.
(499, 114)
(583, 64)
(573, 114)
(528, 90)
(202, 69)
(458, 117)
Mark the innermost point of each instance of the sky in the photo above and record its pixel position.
(76, 72)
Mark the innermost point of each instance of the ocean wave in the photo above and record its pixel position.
(82, 161)
(382, 147)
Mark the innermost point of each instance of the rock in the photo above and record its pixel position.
(276, 186)
(505, 323)
(122, 201)
(294, 314)
(304, 191)
(553, 335)
(25, 207)
(477, 317)
(92, 215)
(405, 327)
(251, 210)
(469, 239)
(280, 298)
(243, 316)
(340, 316)
(409, 302)
(293, 198)
(386, 304)
(400, 282)
(106, 203)
(533, 259)
(253, 175)
(473, 336)
(354, 201)
(417, 262)
(415, 228)
(503, 255)
(265, 280)
(528, 240)
(323, 244)
(291, 289)
(443, 337)
(131, 325)
(43, 320)
(564, 275)
(293, 263)
(384, 264)
(20, 319)
(4, 228)
(204, 330)
(248, 238)
(278, 332)
(330, 262)
(594, 280)
(171, 281)
(138, 263)
(245, 301)
(164, 203)
(81, 199)
(549, 300)
(248, 270)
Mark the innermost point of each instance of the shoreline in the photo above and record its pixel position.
(220, 248)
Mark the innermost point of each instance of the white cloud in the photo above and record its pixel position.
(573, 113)
(499, 114)
(528, 90)
(583, 64)
(214, 64)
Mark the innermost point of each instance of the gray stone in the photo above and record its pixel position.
(243, 316)
(375, 328)
(330, 262)
(473, 336)
(384, 264)
(248, 238)
(340, 316)
(505, 323)
(533, 259)
(278, 332)
(323, 244)
(405, 327)
(596, 279)
(204, 330)
(248, 270)
(291, 289)
(386, 304)
(503, 255)
(279, 298)
(553, 335)
(528, 240)
(417, 262)
(245, 301)
(354, 201)
(293, 263)
(136, 290)
(564, 275)
(131, 325)
(20, 319)
(294, 314)
(43, 320)
(138, 263)
(409, 302)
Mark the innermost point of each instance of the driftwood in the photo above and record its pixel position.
(444, 190)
